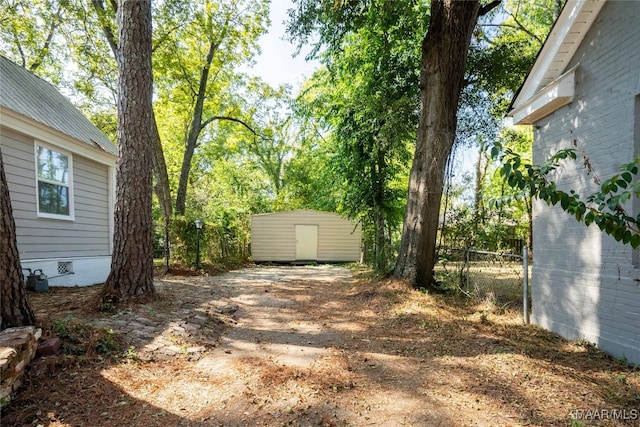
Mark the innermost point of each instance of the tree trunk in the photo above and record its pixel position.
(14, 306)
(379, 184)
(444, 57)
(161, 188)
(132, 263)
(194, 132)
(162, 191)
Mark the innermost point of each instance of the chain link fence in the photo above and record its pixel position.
(498, 278)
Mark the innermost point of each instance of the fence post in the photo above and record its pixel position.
(525, 284)
(466, 265)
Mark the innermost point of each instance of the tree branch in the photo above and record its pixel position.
(231, 119)
(164, 37)
(488, 7)
(45, 47)
(526, 30)
(98, 6)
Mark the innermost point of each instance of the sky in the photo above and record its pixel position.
(275, 65)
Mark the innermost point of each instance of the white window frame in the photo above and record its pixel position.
(71, 216)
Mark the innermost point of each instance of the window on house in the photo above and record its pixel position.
(54, 183)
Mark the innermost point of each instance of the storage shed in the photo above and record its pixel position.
(304, 235)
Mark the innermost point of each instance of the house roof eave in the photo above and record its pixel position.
(561, 44)
(556, 94)
(40, 131)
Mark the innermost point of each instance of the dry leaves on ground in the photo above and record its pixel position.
(378, 353)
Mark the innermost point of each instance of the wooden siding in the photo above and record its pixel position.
(273, 236)
(87, 235)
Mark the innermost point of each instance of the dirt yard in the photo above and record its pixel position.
(312, 346)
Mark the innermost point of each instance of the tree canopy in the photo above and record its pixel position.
(227, 145)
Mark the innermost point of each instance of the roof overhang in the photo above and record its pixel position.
(35, 129)
(534, 101)
(556, 94)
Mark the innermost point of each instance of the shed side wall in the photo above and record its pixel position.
(273, 236)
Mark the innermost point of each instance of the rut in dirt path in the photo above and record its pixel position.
(306, 351)
(271, 326)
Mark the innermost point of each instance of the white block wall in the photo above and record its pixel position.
(86, 270)
(585, 285)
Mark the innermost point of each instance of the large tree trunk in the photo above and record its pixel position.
(444, 57)
(132, 264)
(161, 187)
(14, 306)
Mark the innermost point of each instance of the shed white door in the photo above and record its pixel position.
(306, 242)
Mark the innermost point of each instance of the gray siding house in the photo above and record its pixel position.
(584, 92)
(303, 236)
(61, 174)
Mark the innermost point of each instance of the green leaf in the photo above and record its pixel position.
(624, 197)
(506, 171)
(589, 218)
(610, 227)
(612, 203)
(516, 162)
(619, 233)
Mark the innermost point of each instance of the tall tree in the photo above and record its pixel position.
(369, 99)
(444, 58)
(161, 187)
(132, 262)
(197, 47)
(14, 306)
(200, 80)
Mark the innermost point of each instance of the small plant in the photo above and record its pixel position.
(585, 344)
(107, 307)
(65, 329)
(131, 354)
(73, 350)
(621, 378)
(106, 343)
(61, 327)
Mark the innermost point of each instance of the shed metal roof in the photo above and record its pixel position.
(25, 93)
